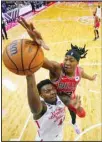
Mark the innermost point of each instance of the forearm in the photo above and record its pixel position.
(52, 66)
(33, 95)
(85, 76)
(47, 64)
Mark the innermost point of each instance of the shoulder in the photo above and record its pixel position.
(43, 111)
(80, 69)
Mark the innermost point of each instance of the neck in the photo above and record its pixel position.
(70, 74)
(52, 103)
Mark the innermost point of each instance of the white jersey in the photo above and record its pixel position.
(99, 12)
(50, 125)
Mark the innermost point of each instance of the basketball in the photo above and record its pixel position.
(23, 57)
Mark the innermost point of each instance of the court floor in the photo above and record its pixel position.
(60, 24)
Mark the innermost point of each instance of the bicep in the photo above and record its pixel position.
(52, 66)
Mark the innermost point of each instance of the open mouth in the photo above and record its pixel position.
(68, 67)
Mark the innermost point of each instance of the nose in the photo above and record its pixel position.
(67, 62)
(52, 92)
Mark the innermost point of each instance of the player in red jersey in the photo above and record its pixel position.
(96, 26)
(65, 76)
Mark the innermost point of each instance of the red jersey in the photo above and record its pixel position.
(68, 84)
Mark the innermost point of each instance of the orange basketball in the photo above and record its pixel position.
(23, 57)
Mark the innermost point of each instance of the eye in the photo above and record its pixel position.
(71, 60)
(65, 59)
(46, 91)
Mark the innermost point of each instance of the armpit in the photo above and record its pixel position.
(44, 109)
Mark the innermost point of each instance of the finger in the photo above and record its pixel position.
(20, 22)
(24, 22)
(31, 34)
(32, 26)
(78, 104)
(44, 45)
(38, 35)
(79, 97)
(96, 75)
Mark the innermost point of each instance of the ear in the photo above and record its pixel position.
(77, 62)
(41, 95)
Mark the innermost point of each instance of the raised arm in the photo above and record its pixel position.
(52, 66)
(33, 33)
(35, 104)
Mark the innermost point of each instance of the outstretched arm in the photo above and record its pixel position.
(52, 66)
(33, 33)
(33, 96)
(86, 76)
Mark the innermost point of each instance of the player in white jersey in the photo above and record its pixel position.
(99, 11)
(49, 112)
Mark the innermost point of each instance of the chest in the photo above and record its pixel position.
(56, 112)
(67, 83)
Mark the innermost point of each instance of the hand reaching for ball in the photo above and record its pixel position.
(33, 33)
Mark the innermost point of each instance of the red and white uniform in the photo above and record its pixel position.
(50, 125)
(68, 84)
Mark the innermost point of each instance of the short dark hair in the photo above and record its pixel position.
(42, 83)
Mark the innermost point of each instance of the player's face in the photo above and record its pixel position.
(49, 93)
(70, 64)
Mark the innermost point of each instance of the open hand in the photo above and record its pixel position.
(76, 102)
(94, 77)
(33, 33)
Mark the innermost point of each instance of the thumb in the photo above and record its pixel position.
(42, 43)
